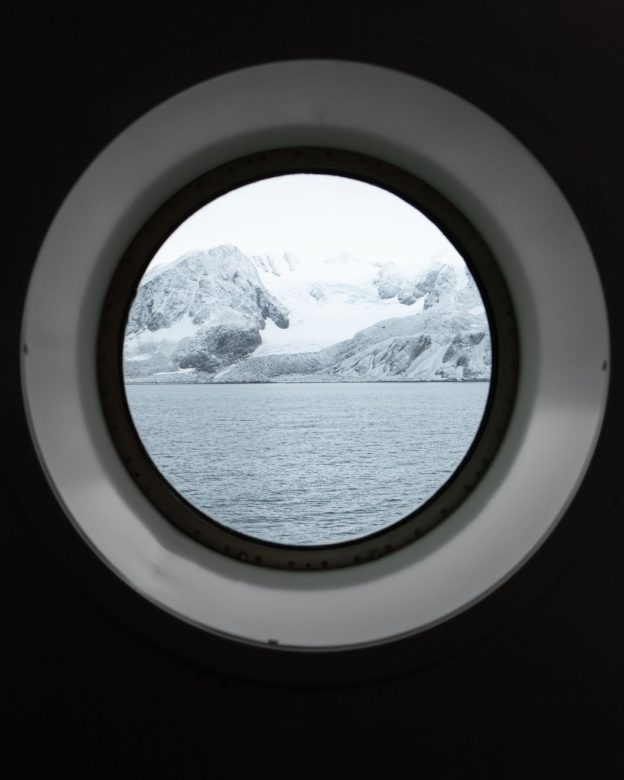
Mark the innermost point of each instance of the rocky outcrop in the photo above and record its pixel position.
(217, 346)
(413, 348)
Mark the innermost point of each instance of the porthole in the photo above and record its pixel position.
(404, 376)
(515, 209)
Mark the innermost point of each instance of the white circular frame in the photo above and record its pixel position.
(541, 249)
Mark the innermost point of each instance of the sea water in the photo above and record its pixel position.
(307, 464)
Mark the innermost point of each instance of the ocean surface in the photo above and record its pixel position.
(306, 464)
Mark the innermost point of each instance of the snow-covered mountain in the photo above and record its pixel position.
(220, 316)
(201, 313)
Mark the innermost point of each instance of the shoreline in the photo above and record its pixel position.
(320, 382)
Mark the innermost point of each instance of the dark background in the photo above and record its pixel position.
(95, 683)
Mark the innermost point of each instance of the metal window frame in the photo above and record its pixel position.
(208, 187)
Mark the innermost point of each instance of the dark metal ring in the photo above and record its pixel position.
(460, 232)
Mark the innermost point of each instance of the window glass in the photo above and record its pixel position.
(307, 359)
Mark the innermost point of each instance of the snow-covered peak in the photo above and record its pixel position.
(441, 285)
(222, 256)
(212, 286)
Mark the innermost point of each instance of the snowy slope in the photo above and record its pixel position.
(326, 305)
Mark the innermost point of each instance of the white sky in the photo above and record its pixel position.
(313, 216)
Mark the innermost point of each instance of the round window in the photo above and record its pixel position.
(298, 358)
(175, 517)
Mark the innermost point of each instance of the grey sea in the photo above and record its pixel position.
(307, 464)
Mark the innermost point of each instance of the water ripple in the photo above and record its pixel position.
(307, 464)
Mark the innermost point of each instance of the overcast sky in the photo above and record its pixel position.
(314, 216)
